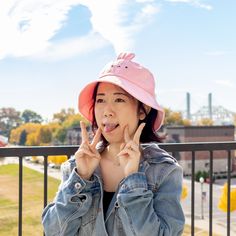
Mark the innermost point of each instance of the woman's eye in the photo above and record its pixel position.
(120, 100)
(99, 100)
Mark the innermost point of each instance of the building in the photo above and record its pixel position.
(185, 134)
(73, 135)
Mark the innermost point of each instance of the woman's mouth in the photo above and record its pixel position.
(109, 127)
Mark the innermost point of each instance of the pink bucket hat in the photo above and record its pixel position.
(130, 76)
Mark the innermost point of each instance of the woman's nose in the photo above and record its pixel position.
(108, 112)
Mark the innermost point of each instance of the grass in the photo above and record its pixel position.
(32, 201)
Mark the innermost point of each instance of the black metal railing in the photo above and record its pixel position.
(173, 148)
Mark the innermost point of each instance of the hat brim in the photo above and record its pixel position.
(86, 102)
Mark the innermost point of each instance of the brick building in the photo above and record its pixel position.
(185, 134)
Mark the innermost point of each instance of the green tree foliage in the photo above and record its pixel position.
(29, 116)
(71, 121)
(200, 174)
(45, 135)
(23, 137)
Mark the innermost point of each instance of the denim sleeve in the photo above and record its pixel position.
(143, 212)
(73, 200)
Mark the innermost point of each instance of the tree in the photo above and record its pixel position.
(173, 117)
(60, 134)
(63, 114)
(206, 122)
(222, 205)
(184, 193)
(70, 121)
(23, 137)
(9, 119)
(16, 133)
(29, 116)
(44, 135)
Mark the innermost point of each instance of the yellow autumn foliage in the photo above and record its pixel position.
(222, 205)
(184, 192)
(57, 159)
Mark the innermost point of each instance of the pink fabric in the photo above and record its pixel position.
(130, 76)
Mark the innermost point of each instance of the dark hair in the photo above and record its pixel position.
(148, 133)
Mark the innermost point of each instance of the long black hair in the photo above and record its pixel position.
(148, 133)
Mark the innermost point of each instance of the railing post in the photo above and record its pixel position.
(20, 195)
(210, 192)
(45, 189)
(228, 193)
(193, 194)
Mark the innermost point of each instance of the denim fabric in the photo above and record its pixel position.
(146, 203)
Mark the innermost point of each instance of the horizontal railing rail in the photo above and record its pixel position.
(173, 148)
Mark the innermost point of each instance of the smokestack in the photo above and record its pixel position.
(188, 106)
(210, 105)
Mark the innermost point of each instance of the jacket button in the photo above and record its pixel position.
(78, 185)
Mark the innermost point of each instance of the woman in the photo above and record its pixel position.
(120, 183)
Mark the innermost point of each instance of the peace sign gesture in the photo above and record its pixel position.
(87, 157)
(129, 155)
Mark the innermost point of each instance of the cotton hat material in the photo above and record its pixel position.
(135, 79)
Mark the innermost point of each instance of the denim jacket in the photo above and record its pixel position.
(146, 203)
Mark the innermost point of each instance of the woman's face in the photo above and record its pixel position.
(115, 109)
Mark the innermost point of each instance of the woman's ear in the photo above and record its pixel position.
(142, 113)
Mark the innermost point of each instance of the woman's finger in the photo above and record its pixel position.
(96, 138)
(84, 133)
(122, 146)
(89, 153)
(125, 151)
(138, 133)
(133, 146)
(126, 134)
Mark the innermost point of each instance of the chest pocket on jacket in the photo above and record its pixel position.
(90, 217)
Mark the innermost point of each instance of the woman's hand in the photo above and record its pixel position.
(87, 157)
(129, 156)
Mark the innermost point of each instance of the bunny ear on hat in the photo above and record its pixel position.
(126, 56)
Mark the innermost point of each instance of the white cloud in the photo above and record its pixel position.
(196, 3)
(121, 21)
(27, 26)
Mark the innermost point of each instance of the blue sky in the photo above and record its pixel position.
(49, 49)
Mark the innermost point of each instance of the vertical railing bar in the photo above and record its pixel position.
(192, 193)
(20, 195)
(228, 193)
(45, 185)
(210, 193)
(45, 190)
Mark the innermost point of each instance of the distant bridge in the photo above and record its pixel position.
(218, 114)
